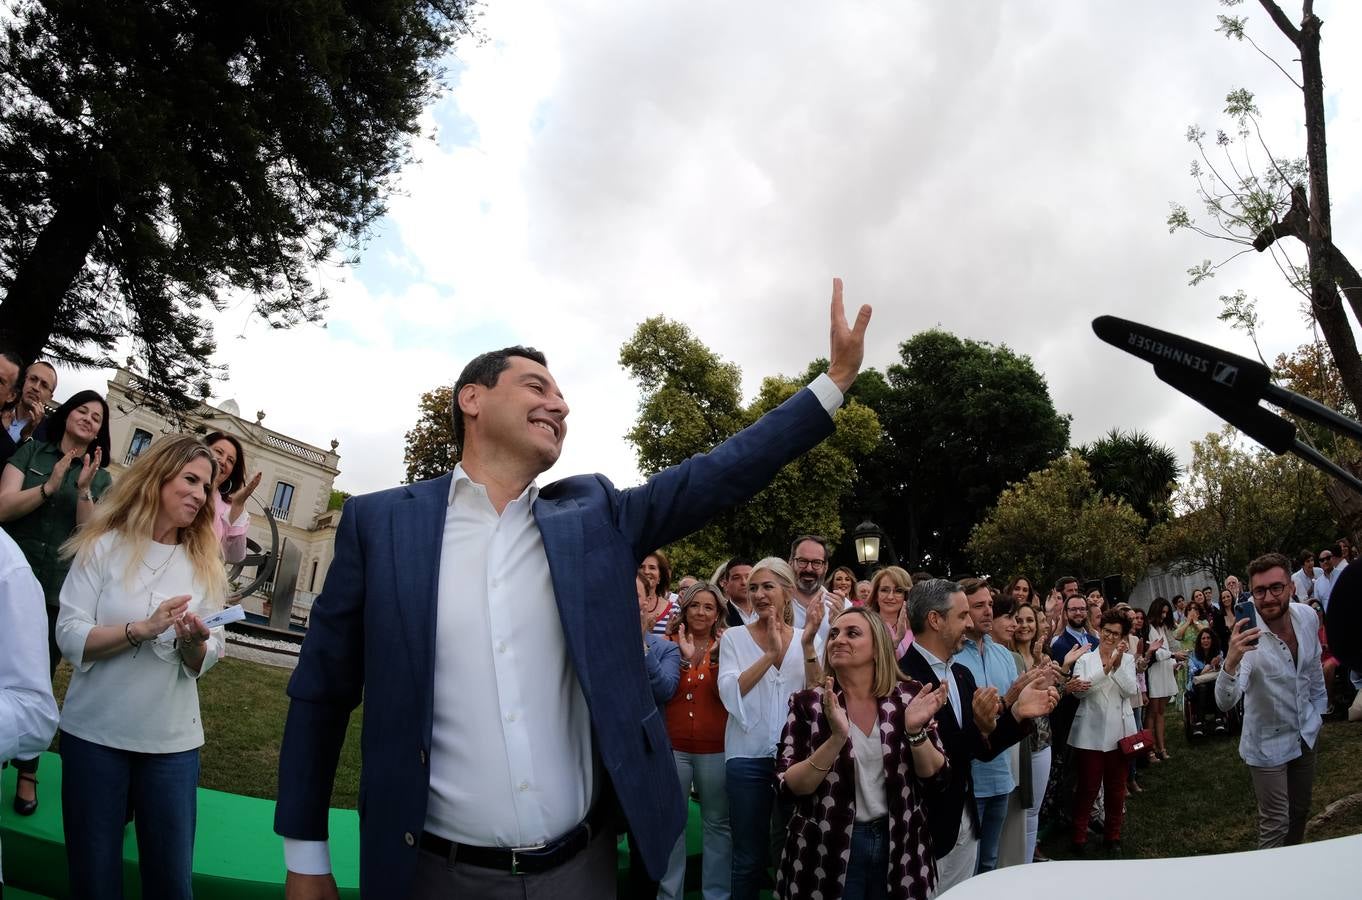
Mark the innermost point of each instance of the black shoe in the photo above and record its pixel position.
(1079, 849)
(1197, 731)
(1220, 726)
(1113, 848)
(26, 807)
(1095, 827)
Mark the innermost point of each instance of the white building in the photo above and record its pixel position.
(296, 478)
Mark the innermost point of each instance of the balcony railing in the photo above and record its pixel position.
(280, 513)
(295, 449)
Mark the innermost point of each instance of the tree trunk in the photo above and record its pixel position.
(29, 310)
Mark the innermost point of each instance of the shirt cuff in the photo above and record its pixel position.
(307, 857)
(827, 393)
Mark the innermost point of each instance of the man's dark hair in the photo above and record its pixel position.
(485, 369)
(817, 539)
(1305, 556)
(1067, 579)
(14, 358)
(922, 576)
(1269, 561)
(930, 596)
(735, 561)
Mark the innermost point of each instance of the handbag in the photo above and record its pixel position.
(1141, 743)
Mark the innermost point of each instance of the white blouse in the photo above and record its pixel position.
(1104, 715)
(144, 700)
(756, 719)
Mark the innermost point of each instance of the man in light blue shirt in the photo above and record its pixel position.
(993, 669)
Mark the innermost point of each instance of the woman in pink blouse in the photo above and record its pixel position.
(230, 493)
(855, 755)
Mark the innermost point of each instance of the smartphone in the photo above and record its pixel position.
(1246, 611)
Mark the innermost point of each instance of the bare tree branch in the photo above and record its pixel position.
(1291, 31)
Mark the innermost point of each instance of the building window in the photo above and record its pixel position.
(141, 440)
(283, 499)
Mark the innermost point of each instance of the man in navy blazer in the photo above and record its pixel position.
(373, 636)
(938, 614)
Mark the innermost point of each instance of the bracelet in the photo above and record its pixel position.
(817, 766)
(810, 659)
(918, 738)
(127, 633)
(42, 489)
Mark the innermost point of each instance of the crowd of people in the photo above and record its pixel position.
(844, 738)
(120, 575)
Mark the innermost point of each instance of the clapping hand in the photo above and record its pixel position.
(89, 466)
(832, 708)
(1078, 686)
(987, 707)
(59, 470)
(685, 642)
(1074, 655)
(923, 707)
(766, 632)
(1030, 676)
(646, 620)
(812, 621)
(1035, 700)
(237, 499)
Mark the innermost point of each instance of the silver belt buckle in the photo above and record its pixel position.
(515, 856)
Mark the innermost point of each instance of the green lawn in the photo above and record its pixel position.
(1199, 802)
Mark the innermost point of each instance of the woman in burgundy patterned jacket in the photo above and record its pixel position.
(857, 755)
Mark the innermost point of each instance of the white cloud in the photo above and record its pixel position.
(1000, 170)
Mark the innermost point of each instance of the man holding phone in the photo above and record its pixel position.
(1276, 668)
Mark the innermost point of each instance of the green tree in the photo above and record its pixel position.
(430, 450)
(337, 499)
(1137, 469)
(1056, 522)
(690, 403)
(156, 158)
(1239, 502)
(961, 420)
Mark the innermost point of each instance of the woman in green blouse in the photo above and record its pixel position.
(47, 489)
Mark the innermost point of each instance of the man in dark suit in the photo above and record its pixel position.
(977, 724)
(11, 367)
(486, 623)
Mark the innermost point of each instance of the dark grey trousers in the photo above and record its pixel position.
(588, 875)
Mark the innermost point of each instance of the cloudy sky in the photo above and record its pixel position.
(1001, 170)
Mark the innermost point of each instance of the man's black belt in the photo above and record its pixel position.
(520, 860)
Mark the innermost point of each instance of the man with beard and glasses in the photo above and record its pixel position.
(1275, 667)
(809, 559)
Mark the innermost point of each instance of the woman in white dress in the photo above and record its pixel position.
(760, 666)
(1160, 682)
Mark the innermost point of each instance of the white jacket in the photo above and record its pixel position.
(1104, 715)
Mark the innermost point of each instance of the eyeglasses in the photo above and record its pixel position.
(1277, 588)
(802, 563)
(1112, 636)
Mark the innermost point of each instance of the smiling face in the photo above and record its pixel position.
(1076, 613)
(1204, 640)
(850, 644)
(650, 572)
(524, 416)
(702, 614)
(768, 595)
(225, 454)
(809, 563)
(1026, 626)
(862, 592)
(82, 425)
(185, 493)
(1021, 591)
(842, 583)
(1275, 587)
(890, 598)
(1004, 629)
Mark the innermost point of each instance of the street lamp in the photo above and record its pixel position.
(867, 538)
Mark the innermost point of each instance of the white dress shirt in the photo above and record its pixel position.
(1284, 699)
(1104, 714)
(28, 714)
(942, 669)
(1324, 584)
(144, 700)
(755, 719)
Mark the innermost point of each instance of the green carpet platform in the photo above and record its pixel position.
(237, 855)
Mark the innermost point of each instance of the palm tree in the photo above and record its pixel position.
(1131, 466)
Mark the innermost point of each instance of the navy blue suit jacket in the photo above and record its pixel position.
(372, 635)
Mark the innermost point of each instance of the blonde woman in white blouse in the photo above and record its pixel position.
(147, 567)
(760, 666)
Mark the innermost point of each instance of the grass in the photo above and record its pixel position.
(1201, 801)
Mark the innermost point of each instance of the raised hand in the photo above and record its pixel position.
(766, 632)
(1030, 676)
(1241, 641)
(684, 641)
(923, 707)
(88, 469)
(59, 470)
(832, 708)
(901, 625)
(987, 707)
(1074, 655)
(646, 619)
(847, 342)
(812, 621)
(238, 497)
(1077, 686)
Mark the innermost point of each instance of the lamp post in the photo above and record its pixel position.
(867, 537)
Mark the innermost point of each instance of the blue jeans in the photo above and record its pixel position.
(992, 815)
(99, 786)
(751, 787)
(706, 772)
(868, 866)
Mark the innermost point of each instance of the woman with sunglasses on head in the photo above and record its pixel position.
(145, 570)
(48, 488)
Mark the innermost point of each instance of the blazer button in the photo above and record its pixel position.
(410, 839)
(423, 757)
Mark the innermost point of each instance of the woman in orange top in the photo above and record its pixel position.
(695, 721)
